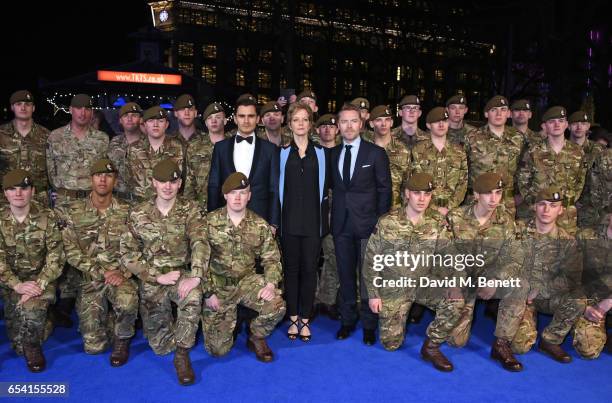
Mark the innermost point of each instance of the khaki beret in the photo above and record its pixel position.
(409, 100)
(211, 109)
(488, 182)
(184, 101)
(551, 194)
(420, 182)
(21, 96)
(556, 112)
(271, 106)
(103, 166)
(16, 177)
(436, 114)
(457, 100)
(306, 94)
(166, 171)
(130, 107)
(327, 119)
(578, 116)
(235, 181)
(520, 105)
(155, 112)
(361, 103)
(81, 101)
(380, 111)
(496, 102)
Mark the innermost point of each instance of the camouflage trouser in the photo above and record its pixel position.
(589, 338)
(218, 326)
(27, 323)
(327, 290)
(92, 308)
(527, 332)
(69, 282)
(160, 327)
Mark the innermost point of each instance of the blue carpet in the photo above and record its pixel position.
(323, 370)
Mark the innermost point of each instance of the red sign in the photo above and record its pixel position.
(141, 78)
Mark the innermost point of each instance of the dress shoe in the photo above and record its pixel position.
(182, 364)
(431, 352)
(369, 337)
(120, 353)
(501, 351)
(344, 332)
(34, 358)
(555, 352)
(261, 349)
(331, 311)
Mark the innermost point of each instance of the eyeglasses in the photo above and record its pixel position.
(410, 108)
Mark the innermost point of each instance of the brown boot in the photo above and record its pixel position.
(501, 351)
(431, 352)
(182, 363)
(34, 357)
(555, 352)
(120, 353)
(261, 349)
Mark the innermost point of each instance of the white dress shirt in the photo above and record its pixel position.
(243, 155)
(354, 150)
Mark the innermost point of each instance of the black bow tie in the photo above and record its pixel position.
(239, 138)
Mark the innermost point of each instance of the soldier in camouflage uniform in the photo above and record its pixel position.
(91, 232)
(185, 112)
(444, 160)
(31, 260)
(238, 237)
(553, 162)
(601, 184)
(326, 128)
(456, 107)
(130, 116)
(272, 130)
(165, 248)
(364, 113)
(144, 154)
(521, 113)
(408, 131)
(23, 144)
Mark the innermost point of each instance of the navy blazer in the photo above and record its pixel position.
(263, 178)
(368, 195)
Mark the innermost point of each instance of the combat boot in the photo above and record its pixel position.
(431, 352)
(555, 352)
(182, 364)
(261, 349)
(501, 351)
(120, 353)
(34, 357)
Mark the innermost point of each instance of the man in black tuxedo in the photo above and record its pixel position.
(361, 191)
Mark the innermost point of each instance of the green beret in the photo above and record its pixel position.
(130, 107)
(166, 171)
(16, 177)
(21, 96)
(410, 100)
(103, 166)
(327, 119)
(247, 99)
(436, 114)
(556, 112)
(578, 116)
(81, 101)
(271, 106)
(361, 103)
(551, 194)
(488, 182)
(306, 94)
(184, 101)
(520, 105)
(211, 109)
(496, 102)
(420, 182)
(380, 111)
(155, 112)
(235, 181)
(457, 100)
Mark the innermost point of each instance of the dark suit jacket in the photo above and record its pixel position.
(263, 178)
(368, 195)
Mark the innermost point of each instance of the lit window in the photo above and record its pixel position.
(348, 64)
(439, 75)
(265, 56)
(264, 79)
(209, 74)
(306, 60)
(363, 88)
(240, 77)
(185, 49)
(331, 105)
(209, 51)
(242, 54)
(186, 68)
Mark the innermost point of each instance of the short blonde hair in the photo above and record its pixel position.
(297, 106)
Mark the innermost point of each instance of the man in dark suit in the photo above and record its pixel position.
(361, 189)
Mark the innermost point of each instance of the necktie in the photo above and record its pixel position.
(240, 138)
(346, 168)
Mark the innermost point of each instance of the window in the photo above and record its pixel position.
(209, 51)
(422, 94)
(348, 64)
(240, 77)
(186, 68)
(476, 77)
(306, 80)
(348, 87)
(364, 66)
(462, 76)
(438, 96)
(420, 74)
(331, 105)
(263, 98)
(185, 49)
(283, 82)
(334, 85)
(333, 63)
(209, 73)
(264, 79)
(439, 75)
(242, 54)
(306, 60)
(363, 88)
(265, 56)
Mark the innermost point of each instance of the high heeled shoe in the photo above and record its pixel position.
(293, 336)
(305, 325)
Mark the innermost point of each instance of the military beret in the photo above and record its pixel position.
(306, 94)
(361, 103)
(420, 182)
(436, 114)
(457, 100)
(211, 109)
(578, 116)
(520, 105)
(103, 166)
(271, 106)
(556, 112)
(551, 194)
(247, 99)
(235, 181)
(184, 101)
(409, 100)
(130, 107)
(488, 182)
(155, 112)
(327, 119)
(496, 102)
(16, 177)
(380, 111)
(81, 101)
(21, 96)
(166, 171)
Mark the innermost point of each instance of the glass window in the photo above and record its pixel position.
(186, 68)
(240, 77)
(264, 79)
(209, 73)
(209, 51)
(185, 49)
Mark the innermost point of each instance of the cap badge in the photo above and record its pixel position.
(109, 167)
(174, 175)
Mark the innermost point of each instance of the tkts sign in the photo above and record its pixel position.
(141, 78)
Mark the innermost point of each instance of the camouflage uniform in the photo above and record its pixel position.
(587, 213)
(117, 152)
(232, 278)
(449, 169)
(601, 184)
(399, 164)
(327, 287)
(458, 136)
(198, 156)
(29, 251)
(141, 159)
(91, 243)
(154, 245)
(409, 141)
(286, 135)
